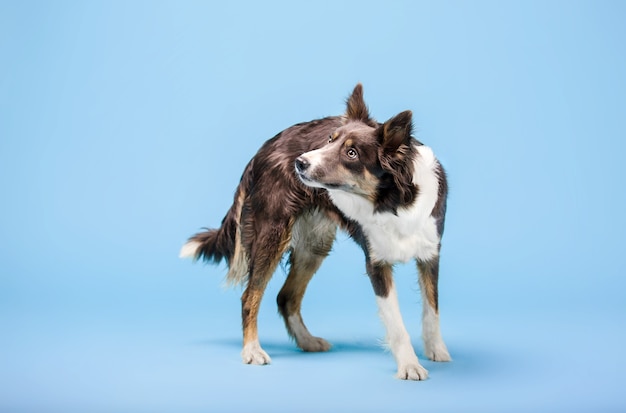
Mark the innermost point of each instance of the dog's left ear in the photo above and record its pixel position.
(356, 107)
(396, 131)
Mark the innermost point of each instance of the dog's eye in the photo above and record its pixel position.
(330, 138)
(351, 153)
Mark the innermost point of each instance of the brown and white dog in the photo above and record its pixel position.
(375, 181)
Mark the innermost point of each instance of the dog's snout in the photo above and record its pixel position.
(302, 164)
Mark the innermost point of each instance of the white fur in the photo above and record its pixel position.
(310, 228)
(252, 353)
(434, 346)
(305, 340)
(398, 338)
(412, 233)
(189, 250)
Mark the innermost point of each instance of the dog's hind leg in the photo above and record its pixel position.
(311, 241)
(434, 346)
(269, 245)
(303, 267)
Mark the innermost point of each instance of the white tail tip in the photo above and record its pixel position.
(189, 250)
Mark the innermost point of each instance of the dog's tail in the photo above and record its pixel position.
(213, 245)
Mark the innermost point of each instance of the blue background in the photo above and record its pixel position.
(124, 128)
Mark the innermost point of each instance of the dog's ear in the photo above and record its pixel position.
(396, 131)
(356, 107)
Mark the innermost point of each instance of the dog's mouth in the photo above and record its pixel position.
(308, 181)
(303, 177)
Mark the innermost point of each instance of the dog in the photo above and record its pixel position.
(373, 180)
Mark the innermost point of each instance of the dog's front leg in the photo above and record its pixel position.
(434, 347)
(398, 338)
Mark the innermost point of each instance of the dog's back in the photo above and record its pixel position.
(269, 193)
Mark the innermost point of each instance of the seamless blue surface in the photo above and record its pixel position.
(125, 126)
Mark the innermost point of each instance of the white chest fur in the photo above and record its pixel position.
(412, 233)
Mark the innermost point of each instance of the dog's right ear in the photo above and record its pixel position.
(396, 132)
(356, 107)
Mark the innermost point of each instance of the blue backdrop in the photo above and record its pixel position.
(124, 128)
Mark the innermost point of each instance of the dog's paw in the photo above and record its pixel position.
(437, 352)
(412, 371)
(254, 354)
(314, 344)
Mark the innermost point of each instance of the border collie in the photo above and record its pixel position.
(375, 181)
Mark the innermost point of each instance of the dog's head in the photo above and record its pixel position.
(365, 158)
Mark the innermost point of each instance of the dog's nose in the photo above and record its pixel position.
(302, 164)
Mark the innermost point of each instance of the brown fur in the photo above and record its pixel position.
(428, 280)
(274, 212)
